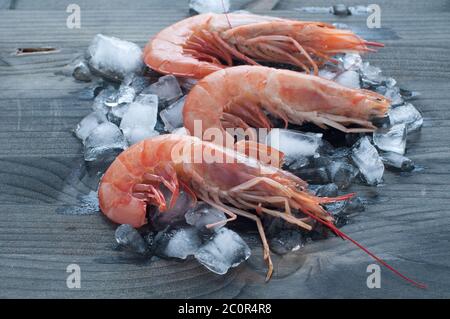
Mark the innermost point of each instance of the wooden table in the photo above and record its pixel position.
(41, 169)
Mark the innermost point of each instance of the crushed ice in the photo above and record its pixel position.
(130, 104)
(114, 58)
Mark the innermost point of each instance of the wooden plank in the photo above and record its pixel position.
(116, 4)
(262, 5)
(49, 27)
(403, 6)
(399, 6)
(59, 179)
(41, 171)
(6, 4)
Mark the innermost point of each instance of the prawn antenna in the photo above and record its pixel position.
(381, 261)
(226, 14)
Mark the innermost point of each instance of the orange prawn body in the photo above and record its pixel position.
(241, 96)
(135, 178)
(202, 44)
(222, 177)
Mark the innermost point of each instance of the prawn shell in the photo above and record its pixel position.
(250, 91)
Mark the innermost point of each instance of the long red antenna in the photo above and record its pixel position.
(371, 43)
(226, 15)
(381, 261)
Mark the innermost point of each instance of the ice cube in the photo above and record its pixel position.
(354, 205)
(205, 6)
(358, 10)
(285, 241)
(391, 139)
(371, 73)
(390, 82)
(327, 73)
(150, 239)
(395, 160)
(149, 99)
(327, 190)
(295, 164)
(341, 152)
(407, 114)
(137, 82)
(341, 210)
(139, 120)
(352, 61)
(321, 161)
(129, 238)
(366, 158)
(81, 72)
(106, 96)
(408, 95)
(338, 211)
(88, 124)
(203, 214)
(340, 10)
(183, 242)
(393, 93)
(180, 131)
(335, 208)
(225, 250)
(294, 144)
(105, 140)
(87, 204)
(349, 79)
(316, 9)
(173, 115)
(187, 83)
(114, 58)
(342, 173)
(139, 133)
(116, 113)
(316, 175)
(167, 89)
(126, 95)
(175, 215)
(241, 12)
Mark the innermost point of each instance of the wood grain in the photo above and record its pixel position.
(262, 5)
(6, 4)
(41, 170)
(115, 5)
(387, 7)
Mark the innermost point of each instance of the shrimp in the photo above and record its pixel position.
(202, 44)
(226, 179)
(241, 96)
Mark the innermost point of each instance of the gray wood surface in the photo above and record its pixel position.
(113, 5)
(41, 170)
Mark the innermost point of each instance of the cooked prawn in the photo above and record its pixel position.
(232, 182)
(241, 96)
(202, 44)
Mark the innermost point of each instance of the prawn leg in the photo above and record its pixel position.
(266, 250)
(133, 182)
(203, 44)
(165, 174)
(244, 96)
